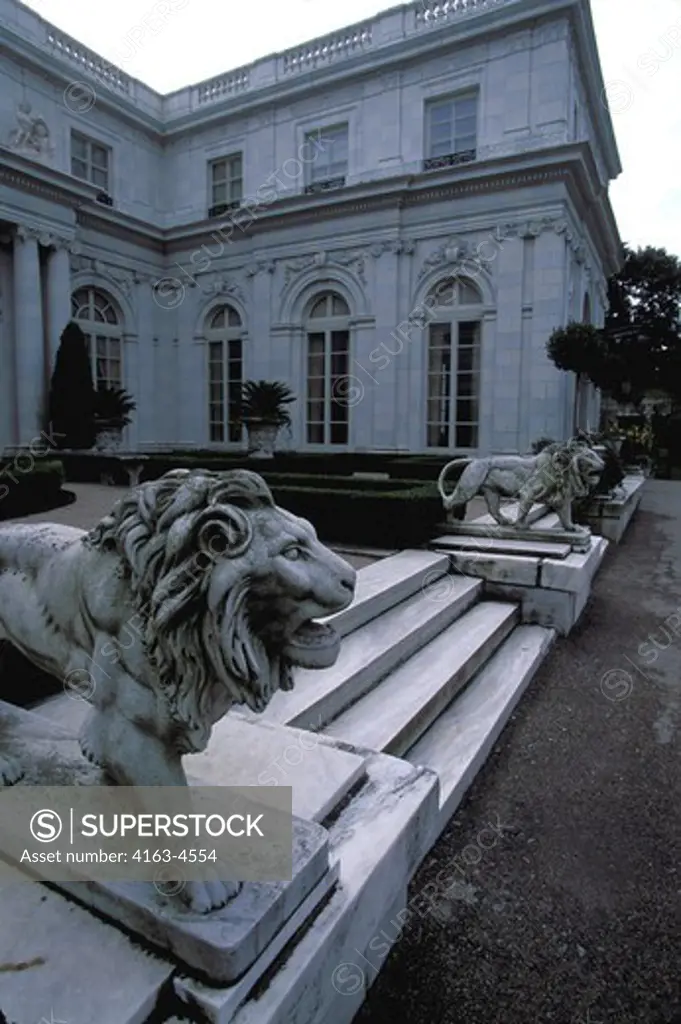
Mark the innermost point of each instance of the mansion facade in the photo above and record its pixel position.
(391, 220)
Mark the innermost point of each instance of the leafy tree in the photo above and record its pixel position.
(639, 348)
(72, 393)
(643, 325)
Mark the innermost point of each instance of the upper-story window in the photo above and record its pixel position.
(326, 161)
(451, 131)
(226, 184)
(91, 161)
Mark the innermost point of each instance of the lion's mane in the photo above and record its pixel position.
(169, 534)
(561, 471)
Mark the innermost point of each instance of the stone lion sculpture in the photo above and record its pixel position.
(196, 593)
(555, 477)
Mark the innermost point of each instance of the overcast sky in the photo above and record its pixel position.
(640, 47)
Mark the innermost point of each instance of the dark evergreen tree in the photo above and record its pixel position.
(72, 393)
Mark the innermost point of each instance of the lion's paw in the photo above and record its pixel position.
(206, 896)
(10, 771)
(91, 750)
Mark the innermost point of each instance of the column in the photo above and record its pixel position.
(28, 320)
(58, 298)
(146, 384)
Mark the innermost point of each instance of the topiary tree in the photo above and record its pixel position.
(579, 348)
(72, 392)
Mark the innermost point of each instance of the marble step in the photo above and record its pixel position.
(393, 715)
(386, 583)
(457, 745)
(371, 652)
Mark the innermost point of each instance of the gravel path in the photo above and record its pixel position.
(569, 913)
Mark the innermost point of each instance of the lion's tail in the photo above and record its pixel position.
(447, 498)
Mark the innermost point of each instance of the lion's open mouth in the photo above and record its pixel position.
(313, 645)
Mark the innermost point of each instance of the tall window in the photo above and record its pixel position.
(453, 376)
(328, 365)
(224, 334)
(101, 324)
(90, 160)
(226, 184)
(326, 164)
(451, 131)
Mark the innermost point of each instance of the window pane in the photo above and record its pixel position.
(219, 193)
(468, 293)
(79, 146)
(79, 168)
(466, 436)
(100, 156)
(339, 306)
(219, 171)
(233, 318)
(319, 308)
(339, 433)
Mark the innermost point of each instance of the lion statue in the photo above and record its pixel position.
(196, 593)
(556, 476)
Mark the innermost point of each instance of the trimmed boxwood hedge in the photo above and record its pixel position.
(397, 518)
(36, 488)
(88, 468)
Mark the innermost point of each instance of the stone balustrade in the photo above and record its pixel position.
(89, 62)
(336, 47)
(437, 12)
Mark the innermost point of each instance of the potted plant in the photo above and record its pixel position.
(263, 412)
(113, 406)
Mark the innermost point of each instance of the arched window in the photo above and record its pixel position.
(328, 365)
(101, 324)
(453, 371)
(224, 334)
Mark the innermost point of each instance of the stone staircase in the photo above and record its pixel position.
(380, 748)
(429, 671)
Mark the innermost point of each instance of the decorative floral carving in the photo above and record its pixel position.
(354, 260)
(221, 285)
(394, 245)
(451, 252)
(262, 266)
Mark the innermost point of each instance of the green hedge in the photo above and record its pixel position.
(88, 469)
(29, 484)
(400, 518)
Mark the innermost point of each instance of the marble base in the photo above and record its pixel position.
(223, 945)
(578, 541)
(77, 968)
(321, 976)
(610, 517)
(220, 946)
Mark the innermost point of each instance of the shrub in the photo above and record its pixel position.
(398, 518)
(72, 393)
(35, 490)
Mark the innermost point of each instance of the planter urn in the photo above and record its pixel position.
(262, 438)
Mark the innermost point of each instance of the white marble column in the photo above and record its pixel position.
(28, 333)
(58, 297)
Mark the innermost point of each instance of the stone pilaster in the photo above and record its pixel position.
(29, 337)
(58, 296)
